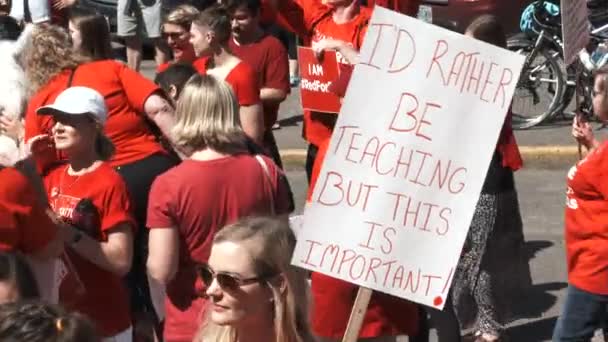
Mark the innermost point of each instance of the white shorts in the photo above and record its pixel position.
(125, 336)
(35, 11)
(144, 18)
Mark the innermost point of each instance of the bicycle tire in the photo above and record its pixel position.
(556, 103)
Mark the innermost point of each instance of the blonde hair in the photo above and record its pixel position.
(183, 16)
(208, 117)
(271, 242)
(47, 53)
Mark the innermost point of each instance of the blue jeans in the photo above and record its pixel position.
(582, 314)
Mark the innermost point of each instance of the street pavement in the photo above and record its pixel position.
(541, 187)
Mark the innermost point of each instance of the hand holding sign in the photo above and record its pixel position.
(317, 77)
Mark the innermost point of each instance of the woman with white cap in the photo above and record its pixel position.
(90, 195)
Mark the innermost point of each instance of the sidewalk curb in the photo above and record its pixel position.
(527, 152)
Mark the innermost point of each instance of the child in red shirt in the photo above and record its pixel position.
(89, 195)
(586, 215)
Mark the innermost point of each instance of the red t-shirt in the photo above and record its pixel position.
(198, 64)
(333, 299)
(311, 19)
(24, 225)
(268, 57)
(585, 219)
(198, 198)
(244, 82)
(106, 300)
(125, 92)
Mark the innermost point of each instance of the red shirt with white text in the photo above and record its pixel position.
(105, 300)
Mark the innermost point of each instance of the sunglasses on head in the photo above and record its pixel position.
(225, 280)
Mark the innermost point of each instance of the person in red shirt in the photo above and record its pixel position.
(268, 57)
(89, 195)
(25, 226)
(137, 111)
(220, 183)
(210, 36)
(337, 24)
(176, 32)
(585, 229)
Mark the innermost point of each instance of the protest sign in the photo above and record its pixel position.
(317, 76)
(575, 28)
(408, 157)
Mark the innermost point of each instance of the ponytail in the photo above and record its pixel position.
(104, 147)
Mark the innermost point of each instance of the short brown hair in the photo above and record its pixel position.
(217, 19)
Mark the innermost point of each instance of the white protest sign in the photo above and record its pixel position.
(575, 28)
(407, 160)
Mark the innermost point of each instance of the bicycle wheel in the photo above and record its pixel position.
(540, 89)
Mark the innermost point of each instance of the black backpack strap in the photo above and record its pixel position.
(71, 78)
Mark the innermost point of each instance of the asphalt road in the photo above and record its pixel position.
(541, 195)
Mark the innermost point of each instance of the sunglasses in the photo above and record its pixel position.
(225, 280)
(174, 35)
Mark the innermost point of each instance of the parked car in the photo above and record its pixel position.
(458, 14)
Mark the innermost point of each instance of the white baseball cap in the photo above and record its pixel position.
(78, 101)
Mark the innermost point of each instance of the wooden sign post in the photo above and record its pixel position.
(358, 314)
(406, 163)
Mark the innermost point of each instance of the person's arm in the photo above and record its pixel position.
(276, 75)
(583, 133)
(252, 121)
(114, 255)
(163, 254)
(272, 95)
(158, 109)
(145, 97)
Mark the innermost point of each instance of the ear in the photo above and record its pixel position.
(210, 36)
(173, 92)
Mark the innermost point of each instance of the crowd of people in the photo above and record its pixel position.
(116, 190)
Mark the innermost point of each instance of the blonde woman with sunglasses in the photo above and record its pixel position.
(254, 293)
